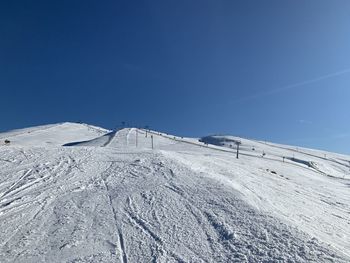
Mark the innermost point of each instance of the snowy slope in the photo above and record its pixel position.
(115, 199)
(52, 134)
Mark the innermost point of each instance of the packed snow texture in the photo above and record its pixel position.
(110, 197)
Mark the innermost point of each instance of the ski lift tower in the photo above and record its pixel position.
(238, 143)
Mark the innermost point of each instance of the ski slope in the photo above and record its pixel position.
(110, 197)
(52, 134)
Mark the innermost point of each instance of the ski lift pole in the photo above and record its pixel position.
(237, 143)
(146, 130)
(136, 136)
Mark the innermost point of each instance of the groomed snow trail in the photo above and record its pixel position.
(125, 204)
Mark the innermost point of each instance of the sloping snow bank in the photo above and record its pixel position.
(52, 135)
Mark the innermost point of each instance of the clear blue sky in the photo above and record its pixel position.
(276, 70)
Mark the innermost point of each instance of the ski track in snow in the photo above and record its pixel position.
(177, 203)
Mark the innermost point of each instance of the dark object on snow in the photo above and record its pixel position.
(238, 143)
(307, 163)
(7, 141)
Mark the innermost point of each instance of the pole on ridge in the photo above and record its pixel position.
(136, 136)
(237, 144)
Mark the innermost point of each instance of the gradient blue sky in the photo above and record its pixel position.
(276, 70)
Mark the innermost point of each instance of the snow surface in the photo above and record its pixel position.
(52, 134)
(112, 198)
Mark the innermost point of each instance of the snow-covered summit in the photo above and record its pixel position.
(52, 134)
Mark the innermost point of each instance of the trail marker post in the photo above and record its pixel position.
(152, 141)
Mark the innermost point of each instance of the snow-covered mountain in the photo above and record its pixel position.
(144, 196)
(52, 134)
